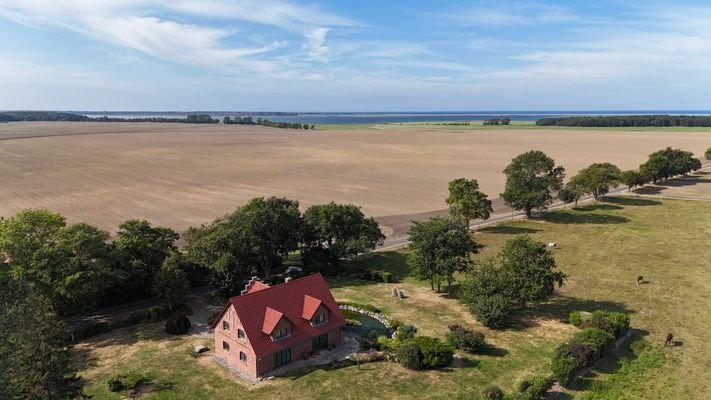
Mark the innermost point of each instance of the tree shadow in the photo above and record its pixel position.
(598, 207)
(490, 350)
(508, 230)
(632, 201)
(574, 217)
(559, 307)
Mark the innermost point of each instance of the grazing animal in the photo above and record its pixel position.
(551, 245)
(640, 279)
(669, 339)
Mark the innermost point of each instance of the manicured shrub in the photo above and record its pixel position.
(536, 389)
(564, 369)
(620, 321)
(387, 277)
(583, 352)
(492, 392)
(409, 356)
(126, 381)
(395, 323)
(177, 324)
(385, 344)
(599, 320)
(406, 331)
(435, 353)
(465, 339)
(575, 318)
(596, 338)
(492, 311)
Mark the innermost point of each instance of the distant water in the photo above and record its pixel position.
(392, 117)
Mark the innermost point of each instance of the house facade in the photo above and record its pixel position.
(267, 327)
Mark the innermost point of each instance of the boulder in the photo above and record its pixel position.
(200, 349)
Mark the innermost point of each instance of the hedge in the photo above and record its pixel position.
(92, 328)
(465, 339)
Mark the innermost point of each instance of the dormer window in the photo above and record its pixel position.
(281, 332)
(225, 326)
(319, 319)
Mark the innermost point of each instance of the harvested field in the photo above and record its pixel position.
(181, 175)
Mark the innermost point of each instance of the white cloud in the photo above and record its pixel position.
(315, 43)
(488, 13)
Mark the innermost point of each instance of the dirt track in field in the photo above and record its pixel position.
(180, 175)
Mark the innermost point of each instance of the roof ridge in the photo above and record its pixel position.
(315, 274)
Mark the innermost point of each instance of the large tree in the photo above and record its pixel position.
(531, 179)
(143, 249)
(632, 178)
(71, 265)
(667, 163)
(271, 228)
(440, 247)
(597, 179)
(335, 231)
(35, 360)
(23, 236)
(467, 201)
(707, 154)
(531, 268)
(171, 282)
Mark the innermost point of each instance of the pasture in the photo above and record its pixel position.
(603, 247)
(181, 175)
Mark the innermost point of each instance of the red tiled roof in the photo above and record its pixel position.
(311, 304)
(288, 299)
(271, 319)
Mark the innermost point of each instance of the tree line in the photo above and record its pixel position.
(248, 120)
(627, 120)
(497, 121)
(16, 116)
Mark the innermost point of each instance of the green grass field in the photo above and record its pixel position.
(602, 247)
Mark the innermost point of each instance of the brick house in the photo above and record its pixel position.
(267, 327)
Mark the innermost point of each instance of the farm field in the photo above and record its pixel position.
(603, 247)
(180, 175)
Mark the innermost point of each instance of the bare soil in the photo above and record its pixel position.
(180, 175)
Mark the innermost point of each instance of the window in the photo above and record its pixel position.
(226, 347)
(225, 325)
(319, 319)
(282, 357)
(281, 332)
(240, 334)
(243, 357)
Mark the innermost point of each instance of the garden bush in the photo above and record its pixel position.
(599, 320)
(575, 318)
(408, 355)
(101, 327)
(620, 321)
(387, 277)
(564, 368)
(465, 339)
(126, 381)
(492, 392)
(353, 322)
(492, 311)
(583, 352)
(435, 353)
(406, 331)
(535, 388)
(385, 344)
(600, 340)
(177, 324)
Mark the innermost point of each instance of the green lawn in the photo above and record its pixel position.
(603, 248)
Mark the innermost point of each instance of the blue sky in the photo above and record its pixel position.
(289, 55)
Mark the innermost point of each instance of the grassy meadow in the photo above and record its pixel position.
(602, 247)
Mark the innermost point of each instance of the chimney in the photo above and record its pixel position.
(287, 279)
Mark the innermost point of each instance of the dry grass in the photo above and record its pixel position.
(181, 175)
